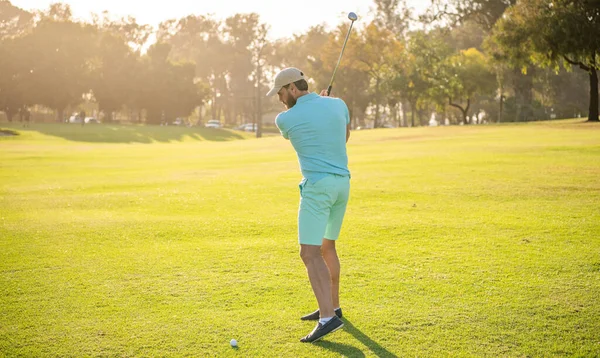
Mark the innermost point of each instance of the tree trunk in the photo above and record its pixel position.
(467, 108)
(376, 124)
(214, 104)
(60, 115)
(259, 114)
(404, 119)
(258, 101)
(9, 114)
(501, 103)
(233, 115)
(108, 116)
(523, 85)
(464, 111)
(200, 110)
(154, 116)
(593, 114)
(413, 106)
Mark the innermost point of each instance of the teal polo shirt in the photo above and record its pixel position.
(316, 127)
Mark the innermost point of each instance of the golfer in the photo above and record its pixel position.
(318, 128)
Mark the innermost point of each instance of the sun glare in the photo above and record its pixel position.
(284, 20)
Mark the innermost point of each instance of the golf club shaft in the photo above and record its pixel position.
(340, 59)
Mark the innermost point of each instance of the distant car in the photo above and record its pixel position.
(91, 120)
(247, 127)
(213, 123)
(75, 119)
(179, 122)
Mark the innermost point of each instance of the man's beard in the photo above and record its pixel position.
(290, 102)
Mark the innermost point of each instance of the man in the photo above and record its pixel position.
(318, 128)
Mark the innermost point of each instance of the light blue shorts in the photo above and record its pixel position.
(322, 208)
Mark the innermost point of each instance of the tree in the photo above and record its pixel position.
(467, 76)
(379, 49)
(352, 81)
(58, 12)
(410, 84)
(260, 48)
(311, 52)
(423, 75)
(134, 35)
(484, 12)
(557, 32)
(567, 97)
(13, 20)
(246, 37)
(14, 77)
(466, 35)
(198, 39)
(113, 78)
(60, 53)
(393, 15)
(514, 66)
(14, 62)
(116, 74)
(169, 90)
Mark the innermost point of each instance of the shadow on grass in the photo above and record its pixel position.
(8, 133)
(108, 133)
(350, 351)
(344, 350)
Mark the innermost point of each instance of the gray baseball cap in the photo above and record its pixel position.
(285, 77)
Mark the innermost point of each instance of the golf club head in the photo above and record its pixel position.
(352, 16)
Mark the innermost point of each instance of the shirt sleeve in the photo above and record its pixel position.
(280, 123)
(346, 112)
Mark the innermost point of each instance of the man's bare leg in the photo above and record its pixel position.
(333, 264)
(319, 277)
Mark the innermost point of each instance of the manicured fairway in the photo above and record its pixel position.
(161, 241)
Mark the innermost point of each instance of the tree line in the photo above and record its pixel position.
(465, 60)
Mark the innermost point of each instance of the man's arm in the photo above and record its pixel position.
(280, 126)
(347, 132)
(324, 94)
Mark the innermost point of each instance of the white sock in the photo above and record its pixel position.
(324, 320)
(335, 309)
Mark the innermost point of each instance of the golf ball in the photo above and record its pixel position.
(233, 343)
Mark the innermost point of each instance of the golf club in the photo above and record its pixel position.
(352, 16)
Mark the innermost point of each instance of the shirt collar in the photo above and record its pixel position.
(307, 97)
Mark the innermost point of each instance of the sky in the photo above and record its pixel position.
(285, 18)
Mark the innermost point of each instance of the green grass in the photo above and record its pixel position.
(150, 241)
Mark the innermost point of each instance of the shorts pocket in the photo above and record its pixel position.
(302, 185)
